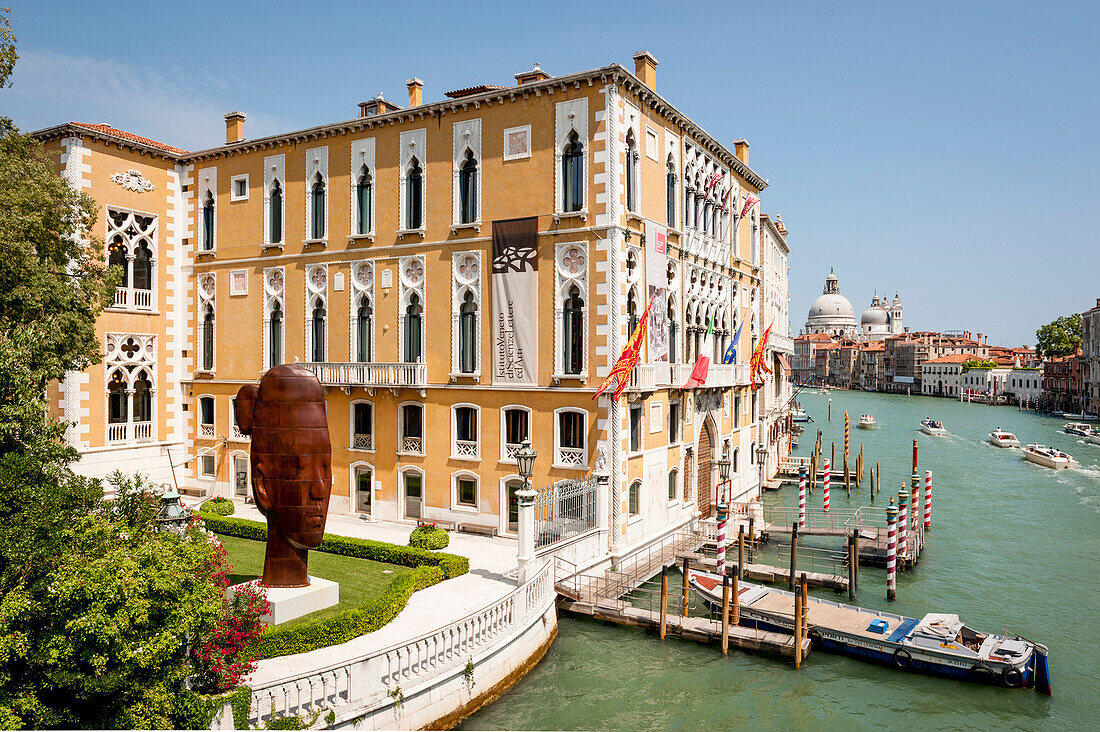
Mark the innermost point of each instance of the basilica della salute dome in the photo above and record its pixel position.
(831, 313)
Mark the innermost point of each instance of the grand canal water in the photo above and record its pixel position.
(1012, 544)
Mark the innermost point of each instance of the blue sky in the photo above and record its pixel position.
(944, 150)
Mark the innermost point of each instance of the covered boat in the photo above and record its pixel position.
(938, 644)
(1048, 457)
(1000, 438)
(1077, 428)
(932, 427)
(799, 415)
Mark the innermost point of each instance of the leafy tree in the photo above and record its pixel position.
(1060, 337)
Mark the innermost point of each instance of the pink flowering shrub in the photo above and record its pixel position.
(225, 657)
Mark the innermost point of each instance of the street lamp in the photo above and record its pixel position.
(171, 514)
(525, 462)
(724, 470)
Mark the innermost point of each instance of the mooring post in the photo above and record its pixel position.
(802, 496)
(914, 454)
(664, 599)
(927, 500)
(685, 598)
(825, 485)
(891, 549)
(832, 457)
(794, 552)
(914, 501)
(740, 549)
(830, 409)
(797, 629)
(903, 524)
(805, 606)
(872, 486)
(736, 594)
(725, 614)
(852, 559)
(720, 554)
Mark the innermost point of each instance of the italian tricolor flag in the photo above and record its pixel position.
(702, 365)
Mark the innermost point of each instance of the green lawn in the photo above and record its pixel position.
(360, 579)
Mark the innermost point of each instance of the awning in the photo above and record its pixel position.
(783, 362)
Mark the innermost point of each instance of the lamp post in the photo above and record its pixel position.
(724, 472)
(762, 457)
(525, 500)
(171, 514)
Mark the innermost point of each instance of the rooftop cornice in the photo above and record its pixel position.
(68, 129)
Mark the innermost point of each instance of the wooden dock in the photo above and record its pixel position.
(768, 573)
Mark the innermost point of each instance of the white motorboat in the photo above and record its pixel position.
(1048, 457)
(932, 427)
(1077, 428)
(799, 415)
(1000, 438)
(867, 422)
(1094, 438)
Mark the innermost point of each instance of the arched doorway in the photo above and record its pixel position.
(703, 471)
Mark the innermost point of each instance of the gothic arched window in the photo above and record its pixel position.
(208, 339)
(318, 207)
(414, 195)
(631, 172)
(364, 321)
(573, 329)
(467, 335)
(414, 318)
(467, 189)
(318, 325)
(572, 174)
(143, 268)
(275, 206)
(364, 190)
(275, 336)
(208, 222)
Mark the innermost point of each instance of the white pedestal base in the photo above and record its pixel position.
(288, 603)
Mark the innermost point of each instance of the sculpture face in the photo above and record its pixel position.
(291, 466)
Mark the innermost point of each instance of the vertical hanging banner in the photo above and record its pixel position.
(656, 265)
(515, 301)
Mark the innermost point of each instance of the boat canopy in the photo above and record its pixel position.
(941, 625)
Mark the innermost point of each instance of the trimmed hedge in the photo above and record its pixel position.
(429, 537)
(430, 568)
(219, 506)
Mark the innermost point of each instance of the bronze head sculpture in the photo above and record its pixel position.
(291, 466)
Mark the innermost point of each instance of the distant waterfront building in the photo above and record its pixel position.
(943, 376)
(1026, 384)
(871, 368)
(1062, 383)
(1090, 348)
(805, 356)
(881, 319)
(831, 313)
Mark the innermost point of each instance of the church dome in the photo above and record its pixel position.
(832, 305)
(831, 312)
(874, 315)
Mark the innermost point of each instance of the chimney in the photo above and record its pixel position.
(416, 92)
(645, 68)
(741, 150)
(378, 105)
(535, 74)
(234, 127)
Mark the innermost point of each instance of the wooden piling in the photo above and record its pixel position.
(794, 552)
(805, 608)
(852, 559)
(725, 614)
(872, 486)
(832, 459)
(740, 548)
(685, 598)
(855, 556)
(797, 629)
(736, 594)
(664, 600)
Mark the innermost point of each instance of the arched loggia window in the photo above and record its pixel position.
(143, 398)
(364, 190)
(414, 195)
(572, 174)
(467, 189)
(573, 329)
(275, 206)
(467, 335)
(414, 316)
(318, 325)
(208, 222)
(364, 321)
(317, 195)
(631, 172)
(143, 268)
(116, 257)
(670, 194)
(275, 335)
(208, 339)
(117, 398)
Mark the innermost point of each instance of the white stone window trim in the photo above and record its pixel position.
(208, 458)
(557, 463)
(274, 170)
(467, 137)
(351, 426)
(233, 181)
(630, 450)
(130, 366)
(634, 518)
(315, 294)
(353, 487)
(632, 119)
(505, 454)
(207, 185)
(571, 116)
(359, 292)
(465, 507)
(401, 432)
(273, 295)
(565, 280)
(127, 291)
(207, 300)
(401, 473)
(653, 152)
(458, 450)
(316, 164)
(235, 434)
(679, 418)
(504, 481)
(413, 144)
(201, 431)
(460, 285)
(407, 288)
(362, 156)
(679, 497)
(526, 129)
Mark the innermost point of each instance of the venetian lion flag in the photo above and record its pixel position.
(702, 364)
(751, 201)
(620, 372)
(757, 364)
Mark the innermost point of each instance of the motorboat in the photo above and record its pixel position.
(938, 644)
(799, 415)
(1077, 428)
(1000, 438)
(867, 422)
(1094, 438)
(932, 427)
(1048, 457)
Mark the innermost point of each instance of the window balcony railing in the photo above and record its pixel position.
(466, 448)
(237, 435)
(412, 445)
(369, 374)
(362, 442)
(129, 431)
(571, 457)
(131, 297)
(206, 430)
(510, 449)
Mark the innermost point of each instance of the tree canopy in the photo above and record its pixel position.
(1060, 337)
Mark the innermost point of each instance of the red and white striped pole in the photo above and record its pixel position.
(825, 489)
(723, 514)
(927, 500)
(903, 524)
(891, 549)
(802, 497)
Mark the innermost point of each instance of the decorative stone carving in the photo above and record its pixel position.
(133, 180)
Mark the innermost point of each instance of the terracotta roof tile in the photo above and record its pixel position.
(128, 137)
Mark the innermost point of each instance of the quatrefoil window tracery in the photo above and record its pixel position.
(468, 269)
(414, 272)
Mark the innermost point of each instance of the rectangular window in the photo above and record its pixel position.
(238, 188)
(363, 437)
(207, 462)
(673, 422)
(467, 492)
(737, 411)
(635, 429)
(571, 439)
(206, 410)
(515, 426)
(411, 424)
(466, 445)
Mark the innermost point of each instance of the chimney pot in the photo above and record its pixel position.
(416, 92)
(234, 127)
(645, 68)
(741, 150)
